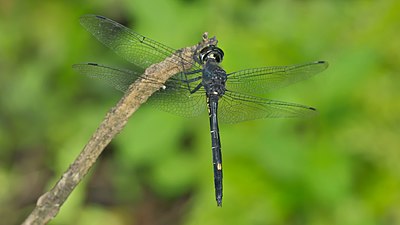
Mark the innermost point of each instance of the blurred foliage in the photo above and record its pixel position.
(341, 167)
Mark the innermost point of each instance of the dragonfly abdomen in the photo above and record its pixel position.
(212, 103)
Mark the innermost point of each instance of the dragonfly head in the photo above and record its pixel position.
(211, 52)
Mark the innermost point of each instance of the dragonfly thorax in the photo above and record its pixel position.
(213, 78)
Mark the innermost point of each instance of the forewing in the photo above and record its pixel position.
(262, 80)
(130, 45)
(236, 107)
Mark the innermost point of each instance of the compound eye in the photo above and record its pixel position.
(218, 54)
(217, 57)
(211, 52)
(204, 53)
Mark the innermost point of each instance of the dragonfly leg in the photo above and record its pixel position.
(188, 81)
(196, 88)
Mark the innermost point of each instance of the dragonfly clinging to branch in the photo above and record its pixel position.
(228, 97)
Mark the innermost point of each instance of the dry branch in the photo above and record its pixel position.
(48, 205)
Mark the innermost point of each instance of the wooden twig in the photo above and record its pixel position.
(48, 205)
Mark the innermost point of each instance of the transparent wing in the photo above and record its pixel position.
(262, 80)
(175, 98)
(236, 107)
(120, 79)
(131, 46)
(179, 101)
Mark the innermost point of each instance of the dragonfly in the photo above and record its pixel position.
(228, 97)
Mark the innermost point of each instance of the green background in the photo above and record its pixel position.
(341, 167)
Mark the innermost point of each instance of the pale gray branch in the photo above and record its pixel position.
(48, 205)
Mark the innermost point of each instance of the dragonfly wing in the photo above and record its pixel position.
(120, 79)
(236, 107)
(131, 46)
(179, 101)
(174, 98)
(262, 80)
